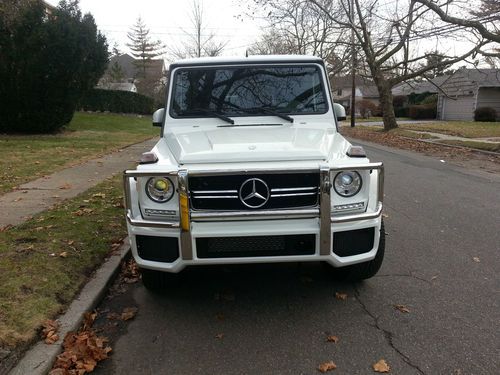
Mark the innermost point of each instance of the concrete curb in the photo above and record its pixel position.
(40, 358)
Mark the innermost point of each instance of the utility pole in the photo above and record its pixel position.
(353, 68)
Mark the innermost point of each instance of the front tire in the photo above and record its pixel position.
(362, 271)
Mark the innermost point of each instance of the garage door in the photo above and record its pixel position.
(460, 109)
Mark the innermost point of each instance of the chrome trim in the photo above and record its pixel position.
(149, 223)
(295, 189)
(213, 191)
(363, 216)
(252, 215)
(215, 197)
(186, 241)
(325, 229)
(292, 194)
(146, 173)
(223, 172)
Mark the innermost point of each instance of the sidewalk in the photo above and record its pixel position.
(41, 194)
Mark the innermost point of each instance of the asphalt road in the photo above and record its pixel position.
(442, 263)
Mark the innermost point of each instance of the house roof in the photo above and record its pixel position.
(366, 86)
(153, 70)
(412, 87)
(467, 81)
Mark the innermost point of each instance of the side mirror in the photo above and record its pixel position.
(339, 111)
(158, 117)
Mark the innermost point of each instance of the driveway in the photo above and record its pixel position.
(441, 265)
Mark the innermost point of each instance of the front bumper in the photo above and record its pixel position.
(193, 226)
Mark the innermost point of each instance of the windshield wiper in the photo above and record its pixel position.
(268, 111)
(214, 113)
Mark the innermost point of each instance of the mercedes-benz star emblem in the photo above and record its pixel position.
(254, 193)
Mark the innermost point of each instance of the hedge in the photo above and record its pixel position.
(117, 101)
(423, 111)
(485, 114)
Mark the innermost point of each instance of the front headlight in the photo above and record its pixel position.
(347, 183)
(160, 189)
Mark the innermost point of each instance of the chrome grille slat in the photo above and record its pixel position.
(292, 194)
(296, 189)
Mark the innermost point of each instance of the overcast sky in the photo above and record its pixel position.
(168, 18)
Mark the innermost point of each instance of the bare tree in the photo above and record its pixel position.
(389, 35)
(199, 43)
(487, 23)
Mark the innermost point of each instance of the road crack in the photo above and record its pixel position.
(388, 335)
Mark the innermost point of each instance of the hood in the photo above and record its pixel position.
(250, 143)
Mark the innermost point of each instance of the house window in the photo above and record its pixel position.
(339, 92)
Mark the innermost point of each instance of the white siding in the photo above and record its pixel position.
(461, 108)
(489, 97)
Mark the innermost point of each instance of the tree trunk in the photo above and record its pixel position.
(386, 105)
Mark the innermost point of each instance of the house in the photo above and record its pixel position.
(468, 89)
(123, 73)
(342, 90)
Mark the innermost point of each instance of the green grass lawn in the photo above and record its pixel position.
(26, 157)
(45, 261)
(467, 129)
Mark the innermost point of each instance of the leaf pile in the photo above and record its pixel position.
(82, 350)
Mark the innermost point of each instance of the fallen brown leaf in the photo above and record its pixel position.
(402, 308)
(49, 331)
(327, 366)
(341, 296)
(65, 186)
(99, 195)
(333, 339)
(476, 259)
(381, 366)
(64, 254)
(219, 336)
(129, 313)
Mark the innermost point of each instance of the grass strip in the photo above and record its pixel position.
(486, 146)
(45, 261)
(467, 129)
(24, 158)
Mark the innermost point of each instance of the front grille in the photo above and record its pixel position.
(258, 246)
(288, 190)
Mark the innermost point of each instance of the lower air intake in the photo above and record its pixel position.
(258, 246)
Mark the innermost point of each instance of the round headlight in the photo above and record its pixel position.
(347, 183)
(160, 189)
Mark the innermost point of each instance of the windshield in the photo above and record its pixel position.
(249, 90)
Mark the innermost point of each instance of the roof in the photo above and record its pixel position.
(366, 86)
(254, 59)
(413, 87)
(154, 69)
(467, 81)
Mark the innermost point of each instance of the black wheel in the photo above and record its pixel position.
(362, 271)
(157, 280)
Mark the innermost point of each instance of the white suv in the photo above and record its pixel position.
(251, 168)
